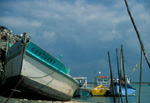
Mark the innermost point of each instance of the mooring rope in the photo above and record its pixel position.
(13, 90)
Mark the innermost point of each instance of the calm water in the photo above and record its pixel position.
(145, 96)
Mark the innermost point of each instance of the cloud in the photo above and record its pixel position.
(83, 31)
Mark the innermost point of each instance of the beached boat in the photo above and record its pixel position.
(130, 90)
(37, 71)
(82, 90)
(100, 91)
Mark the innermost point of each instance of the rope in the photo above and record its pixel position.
(41, 76)
(20, 82)
(13, 91)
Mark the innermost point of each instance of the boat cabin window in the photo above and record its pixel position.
(105, 80)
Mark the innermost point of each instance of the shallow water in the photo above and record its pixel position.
(145, 96)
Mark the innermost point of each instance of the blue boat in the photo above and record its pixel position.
(130, 90)
(37, 71)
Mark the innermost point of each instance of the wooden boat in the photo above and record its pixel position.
(37, 71)
(100, 91)
(82, 90)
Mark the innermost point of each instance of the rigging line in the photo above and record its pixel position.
(138, 35)
(20, 82)
(41, 76)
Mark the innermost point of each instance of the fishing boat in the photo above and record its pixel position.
(130, 90)
(82, 90)
(36, 71)
(100, 91)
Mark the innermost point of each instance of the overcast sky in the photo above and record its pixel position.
(83, 31)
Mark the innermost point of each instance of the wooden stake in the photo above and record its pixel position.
(140, 76)
(124, 74)
(112, 81)
(119, 77)
(138, 35)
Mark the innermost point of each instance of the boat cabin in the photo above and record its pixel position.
(104, 80)
(82, 82)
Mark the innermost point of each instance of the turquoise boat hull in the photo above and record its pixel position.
(82, 93)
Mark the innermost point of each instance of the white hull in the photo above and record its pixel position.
(40, 77)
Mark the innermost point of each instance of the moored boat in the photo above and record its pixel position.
(82, 90)
(130, 90)
(100, 91)
(37, 71)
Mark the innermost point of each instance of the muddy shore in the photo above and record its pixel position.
(14, 100)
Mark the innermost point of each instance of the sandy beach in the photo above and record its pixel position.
(14, 100)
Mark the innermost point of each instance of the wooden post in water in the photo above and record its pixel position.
(119, 77)
(124, 74)
(140, 76)
(138, 35)
(112, 82)
(118, 73)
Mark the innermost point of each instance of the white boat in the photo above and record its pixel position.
(82, 90)
(38, 71)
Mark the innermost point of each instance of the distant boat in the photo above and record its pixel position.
(102, 80)
(130, 90)
(82, 90)
(38, 71)
(100, 91)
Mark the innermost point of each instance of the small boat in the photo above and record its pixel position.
(36, 71)
(100, 91)
(130, 90)
(82, 90)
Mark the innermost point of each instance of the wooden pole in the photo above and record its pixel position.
(112, 82)
(119, 77)
(140, 76)
(138, 35)
(124, 74)
(118, 73)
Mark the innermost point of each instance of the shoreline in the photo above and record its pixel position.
(131, 83)
(141, 83)
(16, 100)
